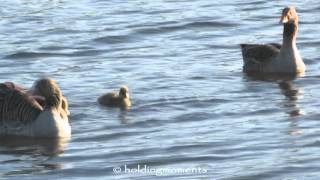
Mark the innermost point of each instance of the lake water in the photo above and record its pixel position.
(193, 108)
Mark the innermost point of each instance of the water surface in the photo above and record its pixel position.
(192, 105)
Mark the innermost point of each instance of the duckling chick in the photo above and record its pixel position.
(114, 99)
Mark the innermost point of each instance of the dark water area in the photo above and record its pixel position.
(192, 105)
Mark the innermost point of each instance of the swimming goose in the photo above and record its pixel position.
(274, 58)
(22, 115)
(114, 99)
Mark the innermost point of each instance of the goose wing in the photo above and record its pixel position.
(16, 108)
(259, 53)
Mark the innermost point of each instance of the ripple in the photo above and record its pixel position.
(192, 105)
(186, 26)
(29, 55)
(113, 39)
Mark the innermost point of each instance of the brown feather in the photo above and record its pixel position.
(16, 107)
(260, 53)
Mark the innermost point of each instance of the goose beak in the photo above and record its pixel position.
(284, 19)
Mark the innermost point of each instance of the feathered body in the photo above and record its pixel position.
(276, 58)
(116, 99)
(22, 115)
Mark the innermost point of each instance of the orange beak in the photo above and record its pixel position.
(284, 19)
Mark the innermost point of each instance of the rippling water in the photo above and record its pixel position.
(192, 105)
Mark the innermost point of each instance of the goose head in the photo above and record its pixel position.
(289, 15)
(48, 89)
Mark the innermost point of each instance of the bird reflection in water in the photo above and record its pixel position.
(36, 151)
(292, 94)
(287, 89)
(26, 145)
(123, 116)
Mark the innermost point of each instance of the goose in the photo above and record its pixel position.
(22, 115)
(276, 58)
(116, 99)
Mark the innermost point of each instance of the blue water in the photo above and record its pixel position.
(192, 105)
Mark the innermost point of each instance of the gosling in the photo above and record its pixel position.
(114, 99)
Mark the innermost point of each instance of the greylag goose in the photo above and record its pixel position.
(274, 58)
(115, 99)
(22, 115)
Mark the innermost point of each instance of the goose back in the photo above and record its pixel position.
(17, 109)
